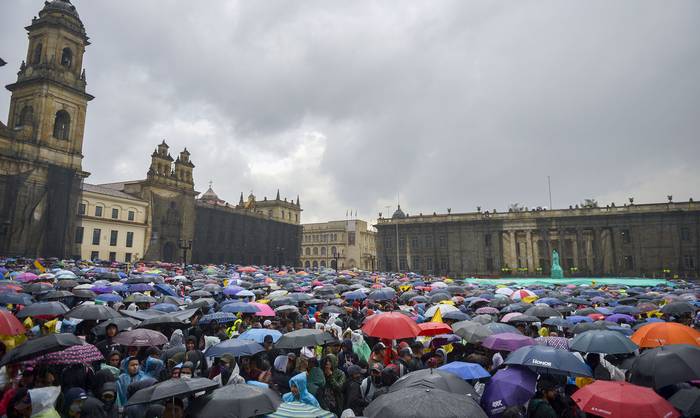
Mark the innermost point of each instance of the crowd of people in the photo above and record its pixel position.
(80, 339)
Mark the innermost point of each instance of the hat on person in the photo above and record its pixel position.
(378, 347)
(405, 352)
(267, 323)
(403, 345)
(268, 339)
(355, 369)
(376, 367)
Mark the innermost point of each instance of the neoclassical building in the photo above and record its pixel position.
(630, 240)
(344, 244)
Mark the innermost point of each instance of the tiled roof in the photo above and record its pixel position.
(110, 191)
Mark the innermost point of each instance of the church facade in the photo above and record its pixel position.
(47, 210)
(646, 240)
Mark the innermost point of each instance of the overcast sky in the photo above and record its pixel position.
(350, 103)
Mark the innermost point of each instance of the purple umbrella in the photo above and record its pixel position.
(26, 277)
(232, 290)
(507, 341)
(513, 386)
(140, 287)
(620, 317)
(102, 289)
(487, 310)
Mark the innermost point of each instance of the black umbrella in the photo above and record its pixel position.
(122, 324)
(678, 308)
(333, 309)
(304, 338)
(687, 401)
(542, 311)
(43, 309)
(164, 320)
(417, 402)
(525, 318)
(456, 316)
(666, 365)
(84, 294)
(12, 298)
(56, 294)
(435, 379)
(139, 298)
(92, 311)
(587, 326)
(603, 341)
(38, 346)
(236, 401)
(172, 388)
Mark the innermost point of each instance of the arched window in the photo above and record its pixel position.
(67, 57)
(323, 264)
(315, 264)
(315, 250)
(323, 251)
(333, 250)
(61, 126)
(36, 58)
(307, 265)
(26, 116)
(308, 251)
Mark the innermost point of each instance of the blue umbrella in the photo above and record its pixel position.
(165, 307)
(232, 290)
(549, 360)
(550, 301)
(467, 371)
(236, 347)
(513, 386)
(220, 317)
(139, 287)
(575, 319)
(109, 297)
(240, 307)
(383, 294)
(356, 295)
(558, 322)
(165, 289)
(258, 334)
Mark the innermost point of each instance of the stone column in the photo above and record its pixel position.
(528, 249)
(513, 263)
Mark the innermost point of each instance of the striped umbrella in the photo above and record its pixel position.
(299, 410)
(76, 354)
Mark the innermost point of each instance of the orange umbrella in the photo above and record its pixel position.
(657, 334)
(430, 329)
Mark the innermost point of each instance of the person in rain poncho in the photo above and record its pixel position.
(133, 374)
(40, 402)
(331, 394)
(298, 391)
(176, 345)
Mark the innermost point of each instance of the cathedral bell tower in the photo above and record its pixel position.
(49, 101)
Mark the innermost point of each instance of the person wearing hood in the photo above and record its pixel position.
(153, 366)
(176, 345)
(132, 374)
(331, 394)
(353, 391)
(316, 378)
(299, 392)
(72, 402)
(281, 374)
(108, 399)
(197, 358)
(230, 373)
(93, 408)
(39, 403)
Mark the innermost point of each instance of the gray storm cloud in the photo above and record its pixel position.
(349, 104)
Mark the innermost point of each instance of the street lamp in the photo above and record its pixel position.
(336, 256)
(184, 244)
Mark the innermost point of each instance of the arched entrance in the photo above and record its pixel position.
(169, 251)
(334, 265)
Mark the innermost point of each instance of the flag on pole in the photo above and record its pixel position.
(437, 317)
(39, 267)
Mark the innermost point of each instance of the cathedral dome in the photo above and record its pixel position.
(63, 6)
(398, 214)
(210, 195)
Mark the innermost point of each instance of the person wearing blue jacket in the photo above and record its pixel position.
(299, 392)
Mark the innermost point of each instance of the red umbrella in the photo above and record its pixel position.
(247, 269)
(430, 329)
(622, 400)
(9, 324)
(391, 325)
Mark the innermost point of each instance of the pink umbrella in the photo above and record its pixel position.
(26, 277)
(489, 310)
(507, 317)
(76, 354)
(264, 310)
(507, 341)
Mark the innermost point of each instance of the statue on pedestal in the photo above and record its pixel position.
(557, 272)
